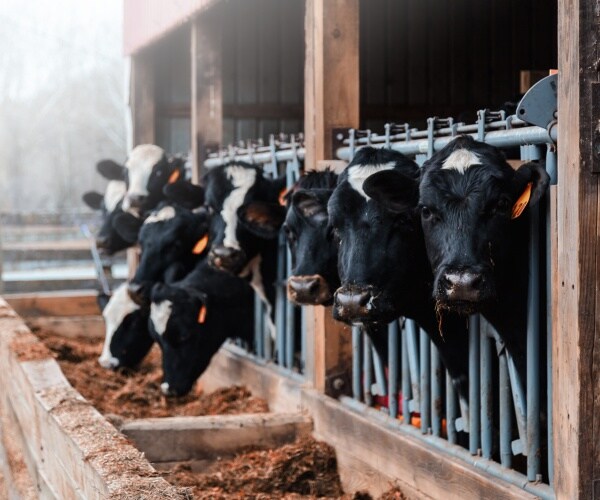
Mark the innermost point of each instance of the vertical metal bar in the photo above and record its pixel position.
(379, 373)
(451, 410)
(425, 382)
(393, 368)
(258, 326)
(486, 391)
(533, 350)
(302, 339)
(356, 363)
(520, 404)
(505, 413)
(367, 369)
(405, 377)
(473, 383)
(551, 168)
(413, 363)
(268, 340)
(436, 391)
(290, 322)
(280, 308)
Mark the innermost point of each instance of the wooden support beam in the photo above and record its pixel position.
(331, 100)
(576, 337)
(207, 94)
(143, 103)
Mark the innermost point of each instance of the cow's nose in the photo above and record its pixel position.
(136, 292)
(461, 286)
(352, 304)
(227, 258)
(309, 290)
(101, 242)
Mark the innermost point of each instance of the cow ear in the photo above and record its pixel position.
(534, 173)
(310, 204)
(262, 219)
(185, 193)
(93, 199)
(111, 170)
(128, 226)
(394, 190)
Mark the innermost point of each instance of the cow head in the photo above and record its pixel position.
(378, 248)
(314, 252)
(171, 239)
(148, 171)
(127, 340)
(109, 204)
(471, 202)
(246, 214)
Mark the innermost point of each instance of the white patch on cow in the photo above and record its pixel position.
(460, 160)
(115, 191)
(160, 314)
(118, 307)
(163, 214)
(139, 167)
(358, 174)
(256, 282)
(242, 179)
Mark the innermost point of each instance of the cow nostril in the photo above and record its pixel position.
(313, 286)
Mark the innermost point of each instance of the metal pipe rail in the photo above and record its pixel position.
(415, 387)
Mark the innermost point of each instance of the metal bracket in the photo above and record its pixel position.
(538, 106)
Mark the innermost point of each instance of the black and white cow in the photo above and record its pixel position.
(474, 212)
(382, 262)
(127, 340)
(148, 171)
(109, 204)
(192, 318)
(245, 221)
(314, 276)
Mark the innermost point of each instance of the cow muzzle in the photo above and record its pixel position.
(227, 259)
(138, 292)
(356, 304)
(133, 201)
(461, 290)
(308, 290)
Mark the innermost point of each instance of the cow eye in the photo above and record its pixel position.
(426, 213)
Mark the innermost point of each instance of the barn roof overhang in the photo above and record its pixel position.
(146, 21)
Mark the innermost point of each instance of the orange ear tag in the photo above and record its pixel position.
(521, 203)
(202, 314)
(200, 245)
(174, 176)
(281, 198)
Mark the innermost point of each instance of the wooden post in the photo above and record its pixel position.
(576, 338)
(143, 105)
(207, 97)
(331, 101)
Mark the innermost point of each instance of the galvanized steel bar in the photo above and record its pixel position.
(356, 363)
(393, 368)
(520, 405)
(486, 395)
(280, 309)
(290, 325)
(367, 369)
(379, 369)
(505, 412)
(533, 351)
(259, 326)
(406, 385)
(425, 406)
(257, 157)
(474, 383)
(437, 379)
(451, 410)
(413, 363)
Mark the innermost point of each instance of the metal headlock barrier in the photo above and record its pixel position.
(510, 438)
(282, 156)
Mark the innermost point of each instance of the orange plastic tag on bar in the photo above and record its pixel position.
(174, 176)
(202, 314)
(200, 245)
(281, 198)
(521, 203)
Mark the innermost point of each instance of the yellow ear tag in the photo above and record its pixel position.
(281, 198)
(202, 314)
(200, 245)
(521, 203)
(174, 176)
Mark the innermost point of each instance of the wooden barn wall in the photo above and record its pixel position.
(421, 58)
(262, 68)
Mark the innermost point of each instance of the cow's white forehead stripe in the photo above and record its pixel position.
(115, 190)
(460, 160)
(118, 307)
(160, 314)
(358, 174)
(163, 214)
(242, 179)
(139, 167)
